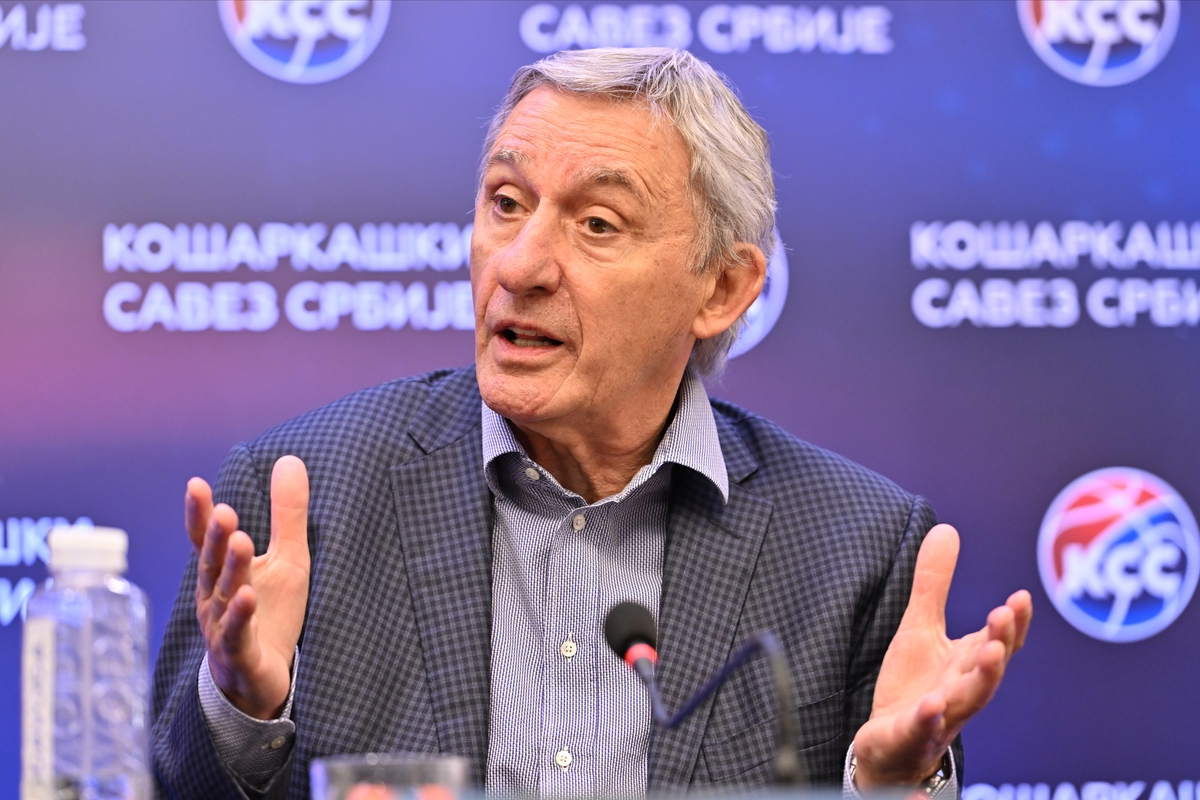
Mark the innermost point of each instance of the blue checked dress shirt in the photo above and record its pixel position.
(567, 717)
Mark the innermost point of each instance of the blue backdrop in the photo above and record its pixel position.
(215, 216)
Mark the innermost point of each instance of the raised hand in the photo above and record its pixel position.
(929, 685)
(251, 608)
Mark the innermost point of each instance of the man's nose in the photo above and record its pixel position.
(531, 262)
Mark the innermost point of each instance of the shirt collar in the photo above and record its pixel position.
(690, 440)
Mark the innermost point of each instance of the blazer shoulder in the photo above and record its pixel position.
(384, 421)
(825, 509)
(794, 473)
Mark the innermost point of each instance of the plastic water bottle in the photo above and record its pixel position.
(85, 678)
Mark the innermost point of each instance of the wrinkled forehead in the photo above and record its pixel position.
(597, 174)
(594, 139)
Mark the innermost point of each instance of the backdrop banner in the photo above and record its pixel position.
(215, 216)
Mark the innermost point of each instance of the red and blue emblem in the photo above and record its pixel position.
(1100, 42)
(305, 41)
(1119, 554)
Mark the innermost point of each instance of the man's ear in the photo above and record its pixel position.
(734, 288)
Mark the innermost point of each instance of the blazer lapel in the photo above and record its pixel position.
(711, 551)
(444, 511)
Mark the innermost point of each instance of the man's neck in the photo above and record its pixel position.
(595, 463)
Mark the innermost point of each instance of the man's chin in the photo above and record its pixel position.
(523, 396)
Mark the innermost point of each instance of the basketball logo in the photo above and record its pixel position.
(305, 42)
(1119, 554)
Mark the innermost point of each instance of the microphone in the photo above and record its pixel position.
(630, 631)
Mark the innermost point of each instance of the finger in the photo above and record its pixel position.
(197, 510)
(965, 651)
(976, 688)
(1022, 605)
(237, 639)
(1002, 627)
(235, 573)
(221, 524)
(289, 510)
(931, 580)
(930, 712)
(923, 729)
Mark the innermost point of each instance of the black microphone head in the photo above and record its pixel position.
(628, 624)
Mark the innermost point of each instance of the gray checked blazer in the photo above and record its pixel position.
(395, 650)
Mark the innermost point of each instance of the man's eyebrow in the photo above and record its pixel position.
(508, 155)
(599, 176)
(611, 176)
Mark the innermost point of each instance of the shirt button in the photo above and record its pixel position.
(568, 649)
(532, 473)
(563, 758)
(579, 522)
(278, 742)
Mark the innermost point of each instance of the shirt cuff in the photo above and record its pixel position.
(948, 788)
(253, 750)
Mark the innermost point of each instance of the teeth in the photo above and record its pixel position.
(525, 338)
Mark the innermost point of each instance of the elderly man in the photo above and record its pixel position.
(437, 554)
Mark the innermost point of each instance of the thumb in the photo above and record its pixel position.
(931, 579)
(289, 510)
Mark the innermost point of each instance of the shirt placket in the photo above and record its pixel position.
(628, 554)
(569, 653)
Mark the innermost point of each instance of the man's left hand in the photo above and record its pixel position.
(929, 685)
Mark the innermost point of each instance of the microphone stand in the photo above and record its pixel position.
(789, 769)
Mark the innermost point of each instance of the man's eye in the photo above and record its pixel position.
(598, 225)
(506, 205)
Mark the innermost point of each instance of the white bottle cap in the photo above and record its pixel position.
(81, 547)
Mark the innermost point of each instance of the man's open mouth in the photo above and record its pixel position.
(524, 338)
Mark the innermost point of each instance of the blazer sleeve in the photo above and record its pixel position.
(185, 761)
(882, 620)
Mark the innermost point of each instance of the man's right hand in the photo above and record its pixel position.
(251, 608)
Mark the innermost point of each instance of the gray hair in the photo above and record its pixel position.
(732, 190)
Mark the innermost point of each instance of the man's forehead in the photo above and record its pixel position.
(591, 173)
(593, 141)
(596, 174)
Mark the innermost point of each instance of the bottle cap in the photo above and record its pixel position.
(79, 547)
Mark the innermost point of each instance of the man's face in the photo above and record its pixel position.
(584, 300)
